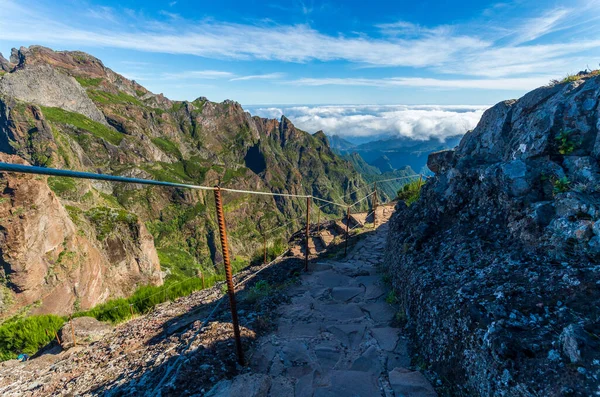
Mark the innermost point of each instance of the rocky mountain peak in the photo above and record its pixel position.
(5, 65)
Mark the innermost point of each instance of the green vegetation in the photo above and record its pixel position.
(570, 78)
(74, 213)
(27, 335)
(259, 290)
(110, 98)
(566, 143)
(561, 185)
(105, 220)
(178, 262)
(168, 147)
(199, 104)
(410, 192)
(231, 174)
(88, 82)
(63, 186)
(77, 120)
(391, 298)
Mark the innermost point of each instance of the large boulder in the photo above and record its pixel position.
(85, 329)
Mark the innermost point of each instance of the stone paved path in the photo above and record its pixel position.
(335, 338)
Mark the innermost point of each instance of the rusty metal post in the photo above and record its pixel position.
(228, 275)
(131, 309)
(265, 249)
(72, 330)
(57, 338)
(375, 204)
(347, 226)
(307, 232)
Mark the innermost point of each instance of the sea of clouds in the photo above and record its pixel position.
(418, 122)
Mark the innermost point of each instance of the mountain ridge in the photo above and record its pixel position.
(121, 128)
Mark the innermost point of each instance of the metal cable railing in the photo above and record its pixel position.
(18, 168)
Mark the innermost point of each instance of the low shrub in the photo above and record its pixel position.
(410, 192)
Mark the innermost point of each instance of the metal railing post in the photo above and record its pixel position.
(228, 274)
(347, 226)
(307, 232)
(72, 330)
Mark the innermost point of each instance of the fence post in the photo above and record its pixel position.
(265, 248)
(131, 309)
(228, 275)
(307, 232)
(72, 330)
(57, 338)
(347, 226)
(375, 204)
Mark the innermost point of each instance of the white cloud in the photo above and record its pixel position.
(196, 74)
(440, 48)
(503, 55)
(417, 122)
(487, 84)
(267, 76)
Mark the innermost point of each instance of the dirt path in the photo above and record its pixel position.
(335, 337)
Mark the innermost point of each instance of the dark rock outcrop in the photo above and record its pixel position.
(497, 262)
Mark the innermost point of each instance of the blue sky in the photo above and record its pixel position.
(321, 52)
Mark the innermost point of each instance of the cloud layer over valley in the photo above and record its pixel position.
(418, 122)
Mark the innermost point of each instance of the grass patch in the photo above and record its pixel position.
(168, 146)
(62, 186)
(77, 120)
(231, 174)
(258, 291)
(106, 220)
(179, 263)
(410, 192)
(88, 82)
(27, 335)
(110, 98)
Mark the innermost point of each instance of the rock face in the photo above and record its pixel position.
(496, 263)
(49, 259)
(67, 110)
(85, 329)
(44, 85)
